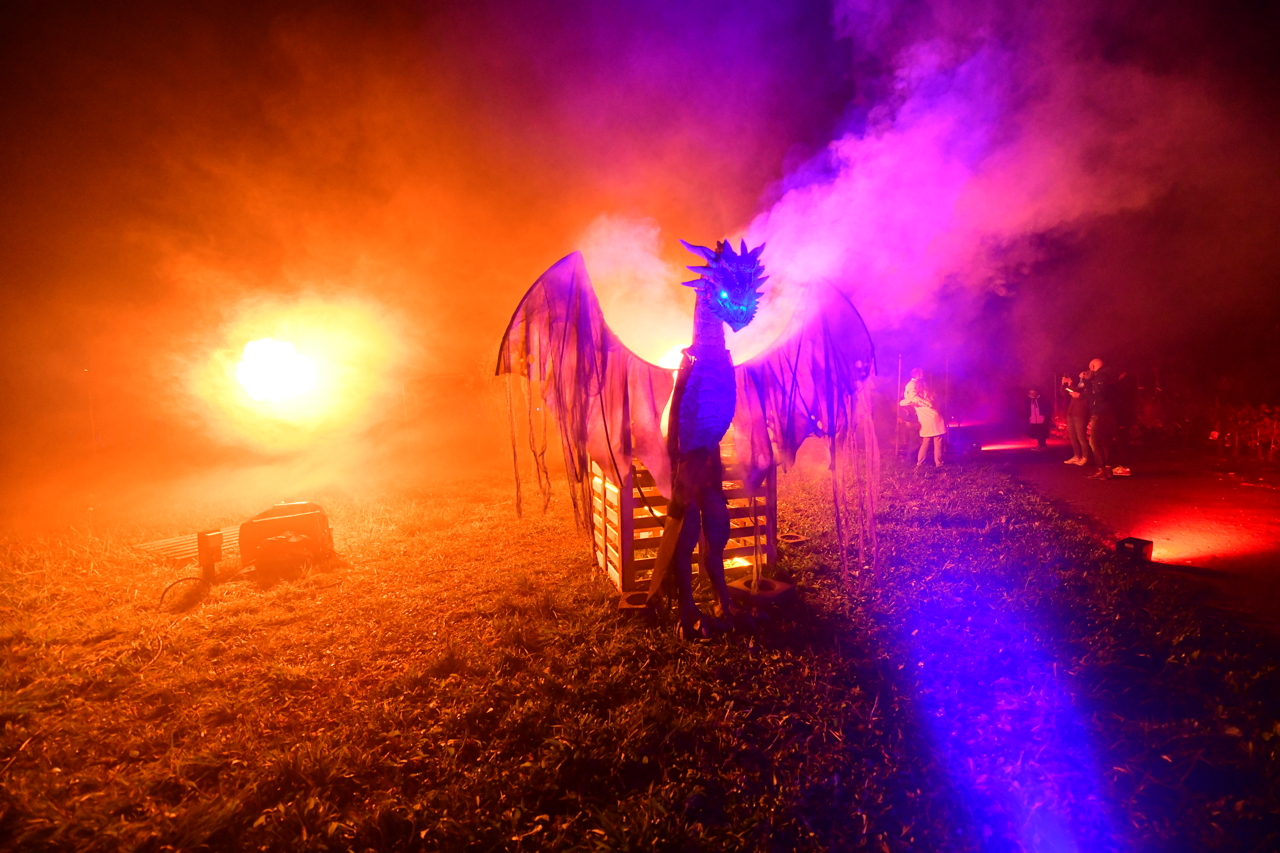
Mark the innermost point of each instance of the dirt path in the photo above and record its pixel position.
(1221, 526)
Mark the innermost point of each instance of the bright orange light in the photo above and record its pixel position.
(313, 368)
(673, 357)
(275, 370)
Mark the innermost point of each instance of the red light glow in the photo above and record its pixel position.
(1016, 444)
(1191, 537)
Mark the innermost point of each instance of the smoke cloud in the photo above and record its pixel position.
(992, 182)
(635, 286)
(180, 180)
(649, 313)
(1002, 136)
(1018, 189)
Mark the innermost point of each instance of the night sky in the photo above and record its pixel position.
(1011, 190)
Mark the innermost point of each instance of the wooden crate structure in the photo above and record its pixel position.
(627, 520)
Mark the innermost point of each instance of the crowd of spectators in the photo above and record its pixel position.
(1245, 430)
(1153, 415)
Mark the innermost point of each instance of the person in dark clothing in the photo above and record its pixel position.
(1102, 417)
(1078, 417)
(1037, 422)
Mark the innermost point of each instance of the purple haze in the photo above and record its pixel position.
(983, 144)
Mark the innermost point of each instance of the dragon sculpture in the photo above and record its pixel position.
(702, 407)
(607, 402)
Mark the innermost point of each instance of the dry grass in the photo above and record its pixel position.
(463, 682)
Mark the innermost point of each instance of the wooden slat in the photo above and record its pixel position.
(645, 565)
(609, 521)
(641, 517)
(737, 512)
(623, 512)
(185, 548)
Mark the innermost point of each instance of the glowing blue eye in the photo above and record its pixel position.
(724, 294)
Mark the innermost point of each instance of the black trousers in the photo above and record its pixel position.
(1102, 439)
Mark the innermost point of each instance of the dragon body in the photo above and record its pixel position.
(702, 408)
(608, 404)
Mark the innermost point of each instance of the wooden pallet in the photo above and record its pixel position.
(181, 548)
(627, 520)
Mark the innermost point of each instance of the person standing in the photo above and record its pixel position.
(1037, 423)
(1102, 417)
(919, 396)
(1078, 417)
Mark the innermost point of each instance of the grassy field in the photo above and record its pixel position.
(462, 681)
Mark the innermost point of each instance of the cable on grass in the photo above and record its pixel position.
(208, 587)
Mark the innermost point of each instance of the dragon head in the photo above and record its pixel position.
(729, 281)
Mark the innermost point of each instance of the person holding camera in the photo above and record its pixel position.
(1078, 416)
(1102, 418)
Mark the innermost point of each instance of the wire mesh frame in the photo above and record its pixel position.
(627, 520)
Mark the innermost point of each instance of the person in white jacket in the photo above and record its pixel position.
(932, 427)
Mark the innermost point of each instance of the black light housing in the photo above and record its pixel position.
(1138, 549)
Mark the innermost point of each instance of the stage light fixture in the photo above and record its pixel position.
(1137, 549)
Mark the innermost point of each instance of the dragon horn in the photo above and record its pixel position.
(707, 254)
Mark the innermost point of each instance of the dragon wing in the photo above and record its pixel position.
(606, 400)
(814, 382)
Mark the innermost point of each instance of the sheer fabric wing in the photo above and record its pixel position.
(606, 400)
(812, 383)
(815, 382)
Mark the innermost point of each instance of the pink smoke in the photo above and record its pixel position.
(985, 143)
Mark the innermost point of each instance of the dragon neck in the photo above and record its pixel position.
(708, 329)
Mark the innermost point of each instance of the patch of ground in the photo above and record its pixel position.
(462, 682)
(1218, 518)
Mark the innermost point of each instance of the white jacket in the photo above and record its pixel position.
(931, 422)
